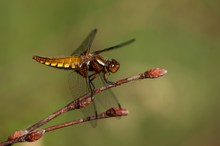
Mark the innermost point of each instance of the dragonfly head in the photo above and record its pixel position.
(113, 65)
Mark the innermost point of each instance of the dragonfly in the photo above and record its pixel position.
(87, 67)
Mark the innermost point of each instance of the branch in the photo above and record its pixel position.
(31, 134)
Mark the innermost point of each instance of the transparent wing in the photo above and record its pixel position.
(86, 44)
(116, 46)
(106, 99)
(103, 101)
(78, 87)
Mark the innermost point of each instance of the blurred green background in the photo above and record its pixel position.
(181, 108)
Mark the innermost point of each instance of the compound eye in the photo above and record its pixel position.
(113, 66)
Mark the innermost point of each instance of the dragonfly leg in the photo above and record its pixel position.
(106, 80)
(93, 76)
(91, 85)
(92, 90)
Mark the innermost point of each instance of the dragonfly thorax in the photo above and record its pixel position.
(108, 65)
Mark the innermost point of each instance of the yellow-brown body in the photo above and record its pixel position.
(70, 62)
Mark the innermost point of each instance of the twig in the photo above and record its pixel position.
(112, 112)
(31, 134)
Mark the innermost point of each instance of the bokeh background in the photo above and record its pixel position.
(181, 108)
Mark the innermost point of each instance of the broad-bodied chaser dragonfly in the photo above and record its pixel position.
(87, 67)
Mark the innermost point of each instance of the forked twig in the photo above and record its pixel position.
(31, 134)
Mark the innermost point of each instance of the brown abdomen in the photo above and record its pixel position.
(70, 62)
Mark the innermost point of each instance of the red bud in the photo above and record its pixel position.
(33, 136)
(114, 112)
(17, 134)
(155, 73)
